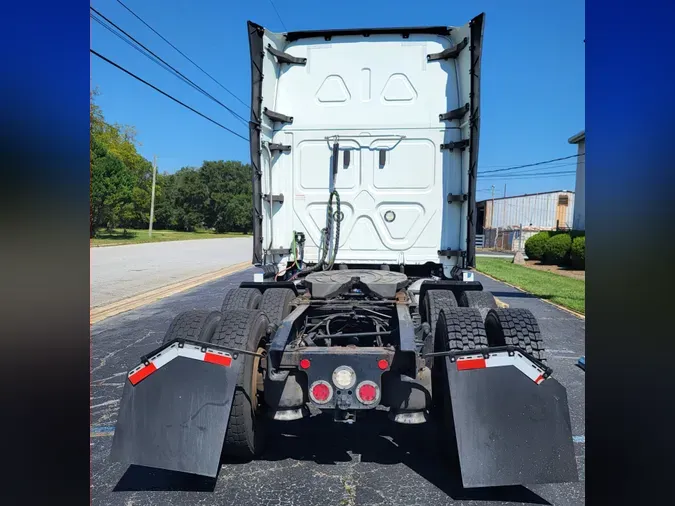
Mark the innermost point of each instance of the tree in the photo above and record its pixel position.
(215, 195)
(229, 204)
(111, 188)
(191, 199)
(165, 201)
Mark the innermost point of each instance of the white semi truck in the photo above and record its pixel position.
(364, 152)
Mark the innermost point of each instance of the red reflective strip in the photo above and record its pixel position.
(143, 373)
(539, 379)
(473, 363)
(217, 359)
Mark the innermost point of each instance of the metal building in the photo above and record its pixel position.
(509, 222)
(543, 211)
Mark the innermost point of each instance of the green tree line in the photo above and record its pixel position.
(216, 195)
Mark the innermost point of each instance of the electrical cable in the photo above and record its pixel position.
(183, 54)
(531, 164)
(278, 15)
(166, 65)
(166, 94)
(530, 176)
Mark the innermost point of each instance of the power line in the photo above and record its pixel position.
(531, 176)
(275, 10)
(530, 164)
(165, 94)
(158, 59)
(525, 171)
(183, 54)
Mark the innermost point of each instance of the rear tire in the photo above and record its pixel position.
(276, 304)
(242, 298)
(434, 302)
(515, 327)
(457, 329)
(245, 330)
(195, 325)
(478, 299)
(460, 329)
(483, 301)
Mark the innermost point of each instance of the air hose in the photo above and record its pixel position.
(331, 226)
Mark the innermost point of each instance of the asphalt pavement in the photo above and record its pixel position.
(124, 271)
(316, 462)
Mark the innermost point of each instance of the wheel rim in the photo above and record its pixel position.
(257, 378)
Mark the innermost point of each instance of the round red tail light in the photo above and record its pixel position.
(321, 392)
(305, 363)
(382, 364)
(368, 392)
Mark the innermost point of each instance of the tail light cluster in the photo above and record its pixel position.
(344, 378)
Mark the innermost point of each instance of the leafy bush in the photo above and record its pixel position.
(578, 252)
(534, 246)
(557, 249)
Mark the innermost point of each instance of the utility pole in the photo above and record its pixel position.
(504, 214)
(152, 198)
(492, 215)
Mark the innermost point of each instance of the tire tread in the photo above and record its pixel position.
(276, 304)
(241, 298)
(236, 330)
(515, 327)
(194, 324)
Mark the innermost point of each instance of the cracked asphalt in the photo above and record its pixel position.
(315, 462)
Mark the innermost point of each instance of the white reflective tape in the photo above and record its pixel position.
(165, 356)
(194, 353)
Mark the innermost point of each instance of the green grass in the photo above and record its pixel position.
(562, 290)
(118, 237)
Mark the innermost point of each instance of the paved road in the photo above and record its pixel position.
(118, 272)
(318, 463)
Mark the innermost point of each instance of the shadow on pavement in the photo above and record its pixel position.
(379, 440)
(139, 478)
(375, 438)
(521, 295)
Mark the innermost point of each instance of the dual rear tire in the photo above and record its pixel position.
(476, 322)
(243, 324)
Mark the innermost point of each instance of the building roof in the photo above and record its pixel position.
(576, 139)
(524, 195)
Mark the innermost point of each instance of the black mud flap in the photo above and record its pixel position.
(512, 423)
(175, 409)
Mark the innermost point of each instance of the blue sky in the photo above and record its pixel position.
(532, 82)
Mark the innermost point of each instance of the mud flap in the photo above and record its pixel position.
(512, 424)
(175, 409)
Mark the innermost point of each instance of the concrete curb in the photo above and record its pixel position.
(99, 313)
(501, 303)
(574, 313)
